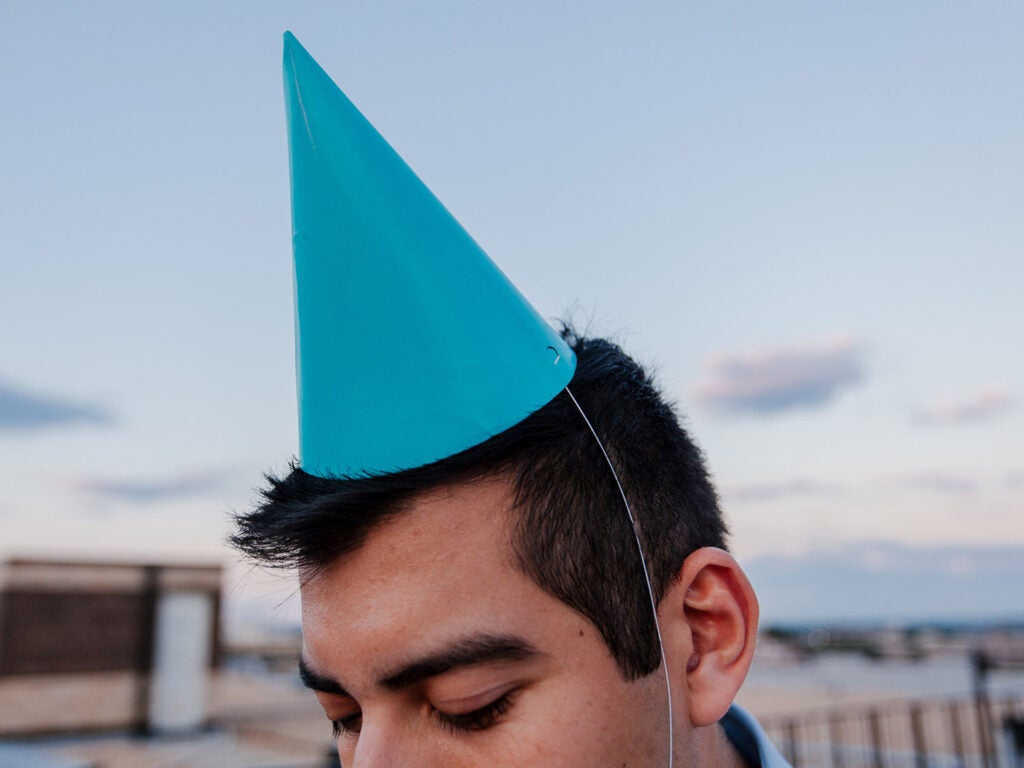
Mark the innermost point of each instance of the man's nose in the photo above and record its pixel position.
(384, 745)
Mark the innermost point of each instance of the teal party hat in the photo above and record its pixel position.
(411, 344)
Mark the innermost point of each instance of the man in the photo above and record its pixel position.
(480, 563)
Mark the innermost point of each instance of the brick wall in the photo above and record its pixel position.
(71, 632)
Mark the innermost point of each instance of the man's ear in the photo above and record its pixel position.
(713, 613)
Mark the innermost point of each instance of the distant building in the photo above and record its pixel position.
(97, 646)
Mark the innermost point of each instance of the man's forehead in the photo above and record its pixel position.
(491, 493)
(439, 568)
(442, 518)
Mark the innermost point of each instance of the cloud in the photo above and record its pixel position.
(942, 482)
(782, 378)
(154, 490)
(797, 487)
(22, 411)
(965, 409)
(885, 580)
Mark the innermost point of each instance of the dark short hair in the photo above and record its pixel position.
(570, 532)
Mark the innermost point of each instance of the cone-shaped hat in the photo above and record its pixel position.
(411, 344)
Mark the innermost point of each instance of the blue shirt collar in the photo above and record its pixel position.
(750, 740)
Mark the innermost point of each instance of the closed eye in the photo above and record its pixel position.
(347, 726)
(479, 719)
(464, 722)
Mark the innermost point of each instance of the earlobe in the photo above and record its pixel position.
(720, 612)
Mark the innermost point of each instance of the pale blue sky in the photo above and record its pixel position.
(831, 192)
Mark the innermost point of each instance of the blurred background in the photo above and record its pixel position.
(806, 216)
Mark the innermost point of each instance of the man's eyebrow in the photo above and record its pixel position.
(475, 649)
(318, 682)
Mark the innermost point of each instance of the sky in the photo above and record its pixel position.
(805, 216)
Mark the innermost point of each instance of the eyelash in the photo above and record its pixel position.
(479, 719)
(467, 722)
(347, 725)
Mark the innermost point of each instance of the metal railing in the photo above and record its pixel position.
(972, 732)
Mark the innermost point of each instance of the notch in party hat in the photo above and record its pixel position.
(411, 344)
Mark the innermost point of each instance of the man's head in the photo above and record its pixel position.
(529, 529)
